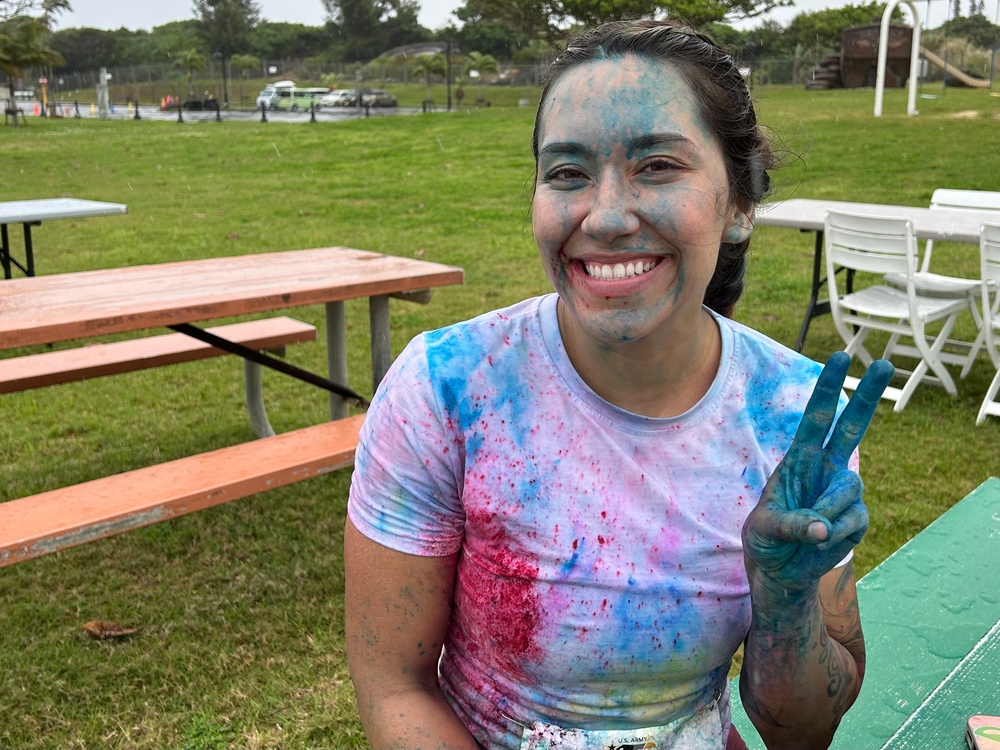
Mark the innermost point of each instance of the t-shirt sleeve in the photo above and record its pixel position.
(406, 487)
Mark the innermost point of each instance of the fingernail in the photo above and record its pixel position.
(817, 531)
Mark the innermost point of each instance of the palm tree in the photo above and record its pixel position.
(22, 46)
(17, 8)
(245, 63)
(539, 53)
(428, 65)
(190, 61)
(481, 64)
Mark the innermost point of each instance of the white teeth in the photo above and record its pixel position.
(618, 270)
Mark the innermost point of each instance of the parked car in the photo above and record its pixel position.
(338, 98)
(378, 98)
(273, 93)
(300, 98)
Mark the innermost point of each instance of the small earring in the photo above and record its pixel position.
(739, 231)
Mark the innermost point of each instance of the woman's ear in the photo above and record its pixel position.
(739, 229)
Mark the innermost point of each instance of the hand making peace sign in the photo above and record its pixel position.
(811, 513)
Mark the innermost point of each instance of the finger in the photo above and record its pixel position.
(801, 526)
(822, 406)
(850, 525)
(841, 493)
(857, 415)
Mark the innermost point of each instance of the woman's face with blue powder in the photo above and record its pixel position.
(631, 199)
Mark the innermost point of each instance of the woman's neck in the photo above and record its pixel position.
(658, 376)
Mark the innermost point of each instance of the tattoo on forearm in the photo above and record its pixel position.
(838, 665)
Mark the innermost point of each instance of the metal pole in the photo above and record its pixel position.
(336, 354)
(378, 317)
(447, 75)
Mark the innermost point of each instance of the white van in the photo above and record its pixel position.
(273, 94)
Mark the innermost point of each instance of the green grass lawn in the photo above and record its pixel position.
(239, 609)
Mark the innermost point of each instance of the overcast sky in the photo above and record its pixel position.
(145, 14)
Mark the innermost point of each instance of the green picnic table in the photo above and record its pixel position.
(931, 616)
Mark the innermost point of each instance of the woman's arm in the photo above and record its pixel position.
(397, 611)
(803, 665)
(804, 653)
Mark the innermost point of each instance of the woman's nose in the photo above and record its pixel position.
(612, 212)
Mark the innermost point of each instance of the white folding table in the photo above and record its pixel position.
(34, 212)
(807, 215)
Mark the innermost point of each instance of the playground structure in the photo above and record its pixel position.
(893, 50)
(959, 75)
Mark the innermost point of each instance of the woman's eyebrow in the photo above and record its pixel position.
(652, 140)
(566, 148)
(640, 143)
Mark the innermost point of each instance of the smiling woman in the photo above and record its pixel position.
(567, 515)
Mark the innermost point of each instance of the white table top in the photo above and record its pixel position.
(955, 225)
(46, 209)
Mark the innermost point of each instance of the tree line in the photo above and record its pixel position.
(358, 31)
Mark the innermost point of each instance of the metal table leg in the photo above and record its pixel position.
(378, 317)
(5, 251)
(7, 259)
(254, 391)
(336, 354)
(814, 308)
(29, 255)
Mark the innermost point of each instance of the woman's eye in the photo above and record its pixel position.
(658, 165)
(565, 174)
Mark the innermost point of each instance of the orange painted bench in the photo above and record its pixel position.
(97, 360)
(50, 521)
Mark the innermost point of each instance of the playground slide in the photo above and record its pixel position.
(976, 83)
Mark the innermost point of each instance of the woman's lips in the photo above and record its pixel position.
(620, 278)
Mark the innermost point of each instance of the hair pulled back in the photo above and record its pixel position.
(725, 106)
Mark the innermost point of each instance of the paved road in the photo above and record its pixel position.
(331, 114)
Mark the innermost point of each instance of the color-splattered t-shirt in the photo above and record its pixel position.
(601, 582)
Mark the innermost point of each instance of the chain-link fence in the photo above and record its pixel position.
(153, 85)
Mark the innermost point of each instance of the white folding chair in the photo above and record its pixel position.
(989, 252)
(930, 284)
(881, 245)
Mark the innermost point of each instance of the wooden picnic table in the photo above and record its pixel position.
(931, 617)
(63, 307)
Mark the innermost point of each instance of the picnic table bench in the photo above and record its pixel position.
(9, 110)
(66, 307)
(58, 519)
(931, 618)
(98, 360)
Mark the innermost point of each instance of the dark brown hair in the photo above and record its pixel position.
(726, 107)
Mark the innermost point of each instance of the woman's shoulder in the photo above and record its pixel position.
(757, 348)
(449, 360)
(474, 340)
